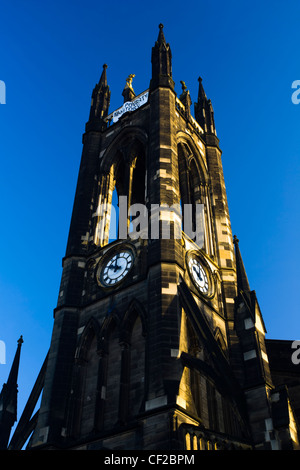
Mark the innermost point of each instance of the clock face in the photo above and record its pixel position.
(199, 275)
(116, 268)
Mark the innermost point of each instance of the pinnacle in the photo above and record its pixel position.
(161, 37)
(103, 79)
(20, 340)
(201, 92)
(242, 279)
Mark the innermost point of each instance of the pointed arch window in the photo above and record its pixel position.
(90, 374)
(85, 394)
(109, 379)
(111, 390)
(114, 217)
(137, 188)
(194, 199)
(133, 362)
(125, 176)
(137, 368)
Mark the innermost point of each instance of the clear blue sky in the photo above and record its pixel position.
(51, 57)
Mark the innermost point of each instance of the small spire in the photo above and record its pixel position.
(103, 78)
(242, 279)
(161, 37)
(13, 375)
(161, 60)
(8, 399)
(100, 101)
(204, 112)
(201, 92)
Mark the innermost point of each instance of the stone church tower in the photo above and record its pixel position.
(158, 341)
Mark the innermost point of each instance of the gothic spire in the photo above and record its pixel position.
(100, 99)
(103, 78)
(161, 60)
(13, 375)
(161, 36)
(204, 112)
(201, 92)
(8, 399)
(242, 279)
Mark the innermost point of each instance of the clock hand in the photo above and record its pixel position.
(198, 272)
(116, 266)
(113, 266)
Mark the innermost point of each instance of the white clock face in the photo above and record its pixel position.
(199, 275)
(116, 268)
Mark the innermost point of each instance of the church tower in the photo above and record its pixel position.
(158, 341)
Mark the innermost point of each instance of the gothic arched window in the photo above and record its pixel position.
(85, 393)
(123, 176)
(133, 362)
(194, 198)
(191, 194)
(89, 388)
(137, 368)
(111, 387)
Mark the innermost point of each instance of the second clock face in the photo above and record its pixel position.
(116, 268)
(199, 275)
